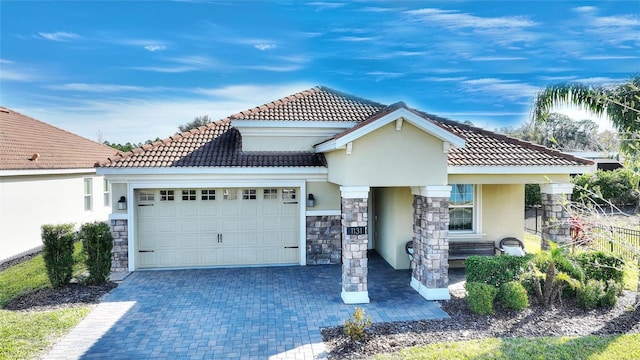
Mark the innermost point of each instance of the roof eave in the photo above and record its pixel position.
(521, 170)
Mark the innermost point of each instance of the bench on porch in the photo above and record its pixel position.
(460, 250)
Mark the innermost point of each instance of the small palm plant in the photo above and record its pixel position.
(548, 285)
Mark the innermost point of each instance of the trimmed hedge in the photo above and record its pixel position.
(57, 253)
(496, 270)
(601, 266)
(97, 243)
(513, 296)
(480, 297)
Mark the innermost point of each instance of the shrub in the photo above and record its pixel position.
(532, 195)
(97, 243)
(57, 252)
(495, 270)
(355, 326)
(610, 298)
(590, 294)
(480, 297)
(610, 186)
(598, 265)
(513, 296)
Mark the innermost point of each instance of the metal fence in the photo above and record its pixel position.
(620, 241)
(533, 219)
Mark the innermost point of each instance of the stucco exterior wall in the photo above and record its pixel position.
(390, 157)
(502, 211)
(28, 202)
(326, 194)
(393, 224)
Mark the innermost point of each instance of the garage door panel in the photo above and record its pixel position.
(193, 233)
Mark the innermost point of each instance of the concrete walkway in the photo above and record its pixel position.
(234, 313)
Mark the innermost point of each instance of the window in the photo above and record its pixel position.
(208, 194)
(288, 194)
(167, 195)
(230, 194)
(107, 193)
(144, 196)
(88, 190)
(270, 194)
(188, 195)
(249, 194)
(461, 205)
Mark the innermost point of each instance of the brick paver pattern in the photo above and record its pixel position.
(234, 313)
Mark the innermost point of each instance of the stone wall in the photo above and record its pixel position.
(324, 239)
(354, 247)
(555, 220)
(431, 241)
(120, 250)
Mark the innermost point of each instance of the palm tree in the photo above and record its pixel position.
(620, 102)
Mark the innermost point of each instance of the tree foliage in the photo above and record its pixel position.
(620, 102)
(196, 123)
(129, 146)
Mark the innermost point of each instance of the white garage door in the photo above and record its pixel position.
(215, 227)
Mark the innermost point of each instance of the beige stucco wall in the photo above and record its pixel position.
(502, 211)
(387, 157)
(28, 202)
(393, 224)
(507, 179)
(118, 190)
(274, 143)
(327, 195)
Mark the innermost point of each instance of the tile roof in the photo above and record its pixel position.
(30, 144)
(216, 144)
(316, 104)
(220, 145)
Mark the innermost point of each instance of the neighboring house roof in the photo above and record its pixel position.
(219, 144)
(30, 144)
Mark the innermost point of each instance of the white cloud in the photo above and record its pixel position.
(507, 89)
(455, 19)
(444, 78)
(16, 75)
(154, 48)
(4, 61)
(355, 38)
(265, 46)
(585, 9)
(497, 58)
(609, 57)
(383, 75)
(102, 88)
(59, 36)
(165, 69)
(321, 5)
(275, 68)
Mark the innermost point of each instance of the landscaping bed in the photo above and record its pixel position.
(64, 297)
(565, 319)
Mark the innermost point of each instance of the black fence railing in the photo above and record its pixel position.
(621, 241)
(533, 219)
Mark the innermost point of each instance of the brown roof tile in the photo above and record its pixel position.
(21, 137)
(220, 145)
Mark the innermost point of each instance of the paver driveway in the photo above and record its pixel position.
(248, 313)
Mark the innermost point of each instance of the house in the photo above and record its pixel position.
(321, 177)
(47, 176)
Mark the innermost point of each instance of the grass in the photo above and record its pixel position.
(532, 243)
(588, 347)
(31, 275)
(24, 335)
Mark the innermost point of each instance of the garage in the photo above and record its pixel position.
(217, 227)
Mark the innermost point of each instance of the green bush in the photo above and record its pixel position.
(355, 326)
(495, 270)
(590, 294)
(610, 298)
(97, 243)
(480, 297)
(57, 252)
(613, 186)
(513, 296)
(532, 195)
(598, 265)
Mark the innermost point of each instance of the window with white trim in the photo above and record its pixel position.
(88, 194)
(146, 196)
(288, 194)
(461, 207)
(167, 195)
(107, 192)
(270, 194)
(249, 194)
(188, 195)
(208, 194)
(230, 194)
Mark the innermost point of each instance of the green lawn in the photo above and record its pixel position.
(24, 335)
(588, 347)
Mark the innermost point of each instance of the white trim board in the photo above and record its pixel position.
(519, 170)
(47, 172)
(214, 171)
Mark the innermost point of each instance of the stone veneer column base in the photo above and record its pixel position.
(430, 293)
(120, 250)
(355, 297)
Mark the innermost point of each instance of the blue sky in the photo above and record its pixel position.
(132, 71)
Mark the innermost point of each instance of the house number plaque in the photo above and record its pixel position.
(356, 230)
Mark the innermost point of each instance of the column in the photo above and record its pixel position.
(556, 220)
(354, 244)
(430, 268)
